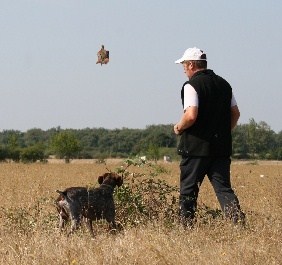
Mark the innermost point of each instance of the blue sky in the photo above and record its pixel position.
(49, 75)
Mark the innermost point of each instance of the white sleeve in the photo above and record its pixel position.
(233, 101)
(190, 97)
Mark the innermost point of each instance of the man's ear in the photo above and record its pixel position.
(191, 65)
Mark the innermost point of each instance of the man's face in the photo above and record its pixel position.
(188, 69)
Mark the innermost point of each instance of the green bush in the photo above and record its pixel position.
(145, 197)
(3, 153)
(14, 154)
(33, 153)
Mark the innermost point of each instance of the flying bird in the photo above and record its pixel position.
(103, 56)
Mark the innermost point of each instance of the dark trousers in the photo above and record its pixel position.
(192, 173)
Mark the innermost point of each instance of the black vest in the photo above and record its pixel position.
(210, 135)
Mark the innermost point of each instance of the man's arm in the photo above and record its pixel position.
(235, 115)
(187, 120)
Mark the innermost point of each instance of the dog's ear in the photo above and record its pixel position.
(100, 179)
(119, 181)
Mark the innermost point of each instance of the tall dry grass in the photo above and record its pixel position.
(29, 233)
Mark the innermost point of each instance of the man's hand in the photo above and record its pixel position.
(176, 130)
(187, 120)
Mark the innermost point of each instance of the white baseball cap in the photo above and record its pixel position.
(192, 54)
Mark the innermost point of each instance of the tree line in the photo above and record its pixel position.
(250, 141)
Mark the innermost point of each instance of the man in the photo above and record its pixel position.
(210, 113)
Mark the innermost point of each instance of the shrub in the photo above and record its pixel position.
(14, 154)
(145, 197)
(33, 153)
(3, 154)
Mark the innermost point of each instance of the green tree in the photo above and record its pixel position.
(252, 136)
(34, 136)
(265, 140)
(65, 145)
(13, 147)
(239, 142)
(153, 152)
(278, 149)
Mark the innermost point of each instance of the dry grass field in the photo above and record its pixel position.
(29, 222)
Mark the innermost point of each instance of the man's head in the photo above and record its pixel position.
(193, 60)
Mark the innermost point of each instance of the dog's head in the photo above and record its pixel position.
(111, 178)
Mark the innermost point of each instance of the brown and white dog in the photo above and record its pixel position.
(75, 203)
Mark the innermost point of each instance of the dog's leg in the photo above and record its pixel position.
(75, 222)
(75, 215)
(90, 226)
(62, 207)
(112, 225)
(62, 221)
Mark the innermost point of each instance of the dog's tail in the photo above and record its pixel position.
(63, 194)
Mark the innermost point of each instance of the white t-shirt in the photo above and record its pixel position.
(191, 97)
